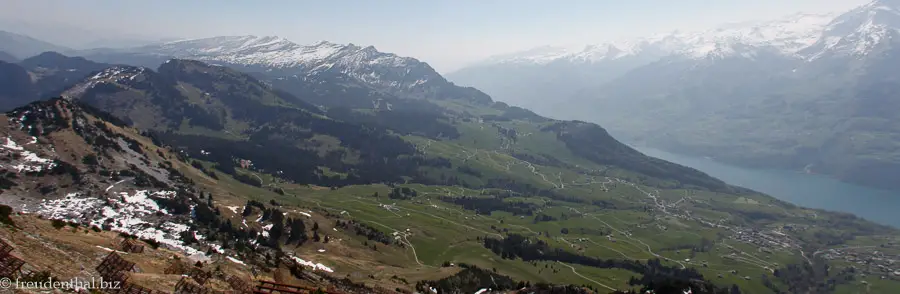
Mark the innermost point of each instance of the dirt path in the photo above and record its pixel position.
(586, 278)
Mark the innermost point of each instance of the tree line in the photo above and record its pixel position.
(515, 246)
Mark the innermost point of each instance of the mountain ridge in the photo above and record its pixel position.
(22, 46)
(41, 76)
(283, 62)
(794, 32)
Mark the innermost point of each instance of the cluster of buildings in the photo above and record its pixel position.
(766, 240)
(869, 260)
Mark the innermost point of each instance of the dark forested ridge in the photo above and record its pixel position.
(381, 164)
(55, 72)
(472, 279)
(16, 87)
(515, 246)
(271, 128)
(484, 205)
(41, 77)
(429, 122)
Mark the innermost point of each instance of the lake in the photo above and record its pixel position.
(799, 188)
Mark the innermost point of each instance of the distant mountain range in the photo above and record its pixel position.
(527, 78)
(21, 46)
(809, 92)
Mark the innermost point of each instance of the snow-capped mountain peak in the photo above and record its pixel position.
(267, 51)
(858, 32)
(885, 5)
(280, 60)
(608, 51)
(538, 55)
(272, 53)
(787, 35)
(578, 54)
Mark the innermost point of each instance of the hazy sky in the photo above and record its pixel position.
(446, 34)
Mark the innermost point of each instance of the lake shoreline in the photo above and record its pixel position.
(811, 190)
(857, 176)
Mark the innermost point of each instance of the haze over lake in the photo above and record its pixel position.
(809, 190)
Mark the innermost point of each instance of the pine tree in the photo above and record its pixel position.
(277, 228)
(298, 231)
(247, 210)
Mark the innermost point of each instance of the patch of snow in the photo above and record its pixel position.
(110, 250)
(306, 214)
(233, 208)
(858, 32)
(235, 260)
(265, 230)
(140, 200)
(217, 248)
(418, 82)
(321, 250)
(113, 185)
(129, 213)
(314, 266)
(28, 161)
